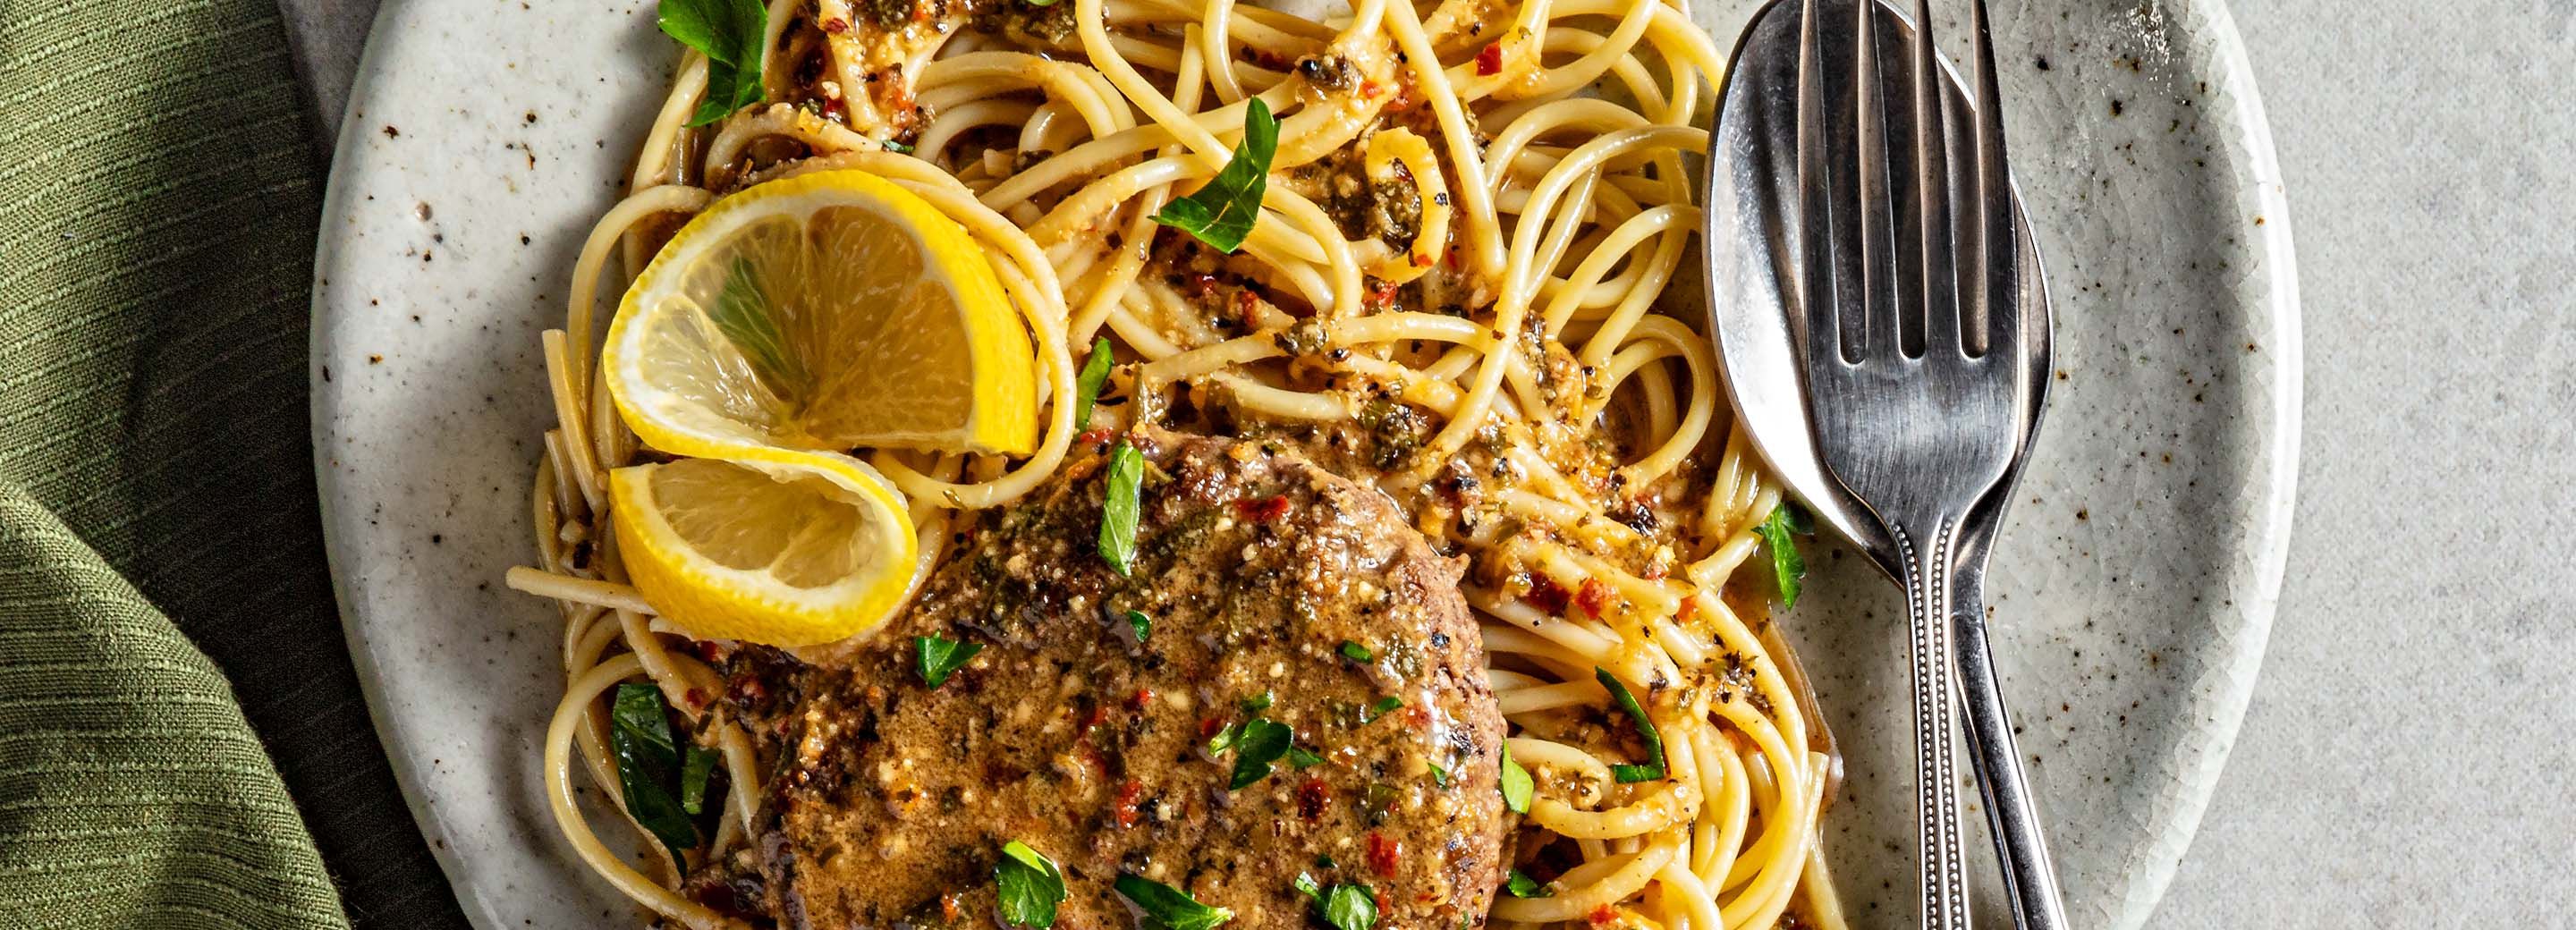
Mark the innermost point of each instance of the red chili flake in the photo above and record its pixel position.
(1095, 717)
(695, 697)
(1545, 594)
(1690, 609)
(1450, 259)
(1490, 61)
(1416, 716)
(1203, 283)
(1129, 793)
(1368, 90)
(1384, 295)
(1311, 796)
(948, 907)
(1090, 437)
(1602, 916)
(836, 25)
(1261, 509)
(1210, 727)
(1383, 854)
(1247, 309)
(1144, 698)
(1594, 597)
(1655, 571)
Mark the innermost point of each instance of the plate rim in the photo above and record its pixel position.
(2268, 532)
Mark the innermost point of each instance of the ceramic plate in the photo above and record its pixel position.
(2132, 588)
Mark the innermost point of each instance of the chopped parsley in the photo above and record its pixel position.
(1143, 625)
(1517, 786)
(940, 657)
(1222, 211)
(1030, 886)
(639, 735)
(734, 35)
(742, 312)
(1787, 567)
(1344, 906)
(1119, 512)
(1653, 770)
(1379, 709)
(1168, 908)
(1258, 744)
(1521, 885)
(1439, 773)
(1086, 387)
(697, 766)
(1303, 757)
(1256, 703)
(1356, 652)
(1350, 907)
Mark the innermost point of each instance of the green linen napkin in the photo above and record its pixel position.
(158, 196)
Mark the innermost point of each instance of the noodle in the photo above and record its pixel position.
(1501, 326)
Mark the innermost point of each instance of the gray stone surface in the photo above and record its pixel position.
(2407, 757)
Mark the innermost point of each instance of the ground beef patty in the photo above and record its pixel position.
(1272, 589)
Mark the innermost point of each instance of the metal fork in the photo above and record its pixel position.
(1922, 359)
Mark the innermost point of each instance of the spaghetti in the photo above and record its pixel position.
(1472, 211)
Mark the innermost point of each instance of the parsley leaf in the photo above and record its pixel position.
(1356, 652)
(1257, 703)
(1303, 757)
(734, 36)
(940, 657)
(1118, 513)
(1305, 885)
(1143, 625)
(1522, 885)
(1439, 773)
(1221, 212)
(1786, 565)
(695, 769)
(1350, 907)
(1653, 770)
(1030, 886)
(1258, 744)
(743, 314)
(1379, 709)
(1168, 908)
(1517, 786)
(1086, 386)
(639, 735)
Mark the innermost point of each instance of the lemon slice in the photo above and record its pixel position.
(779, 547)
(826, 311)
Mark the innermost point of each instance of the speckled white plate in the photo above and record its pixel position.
(2133, 587)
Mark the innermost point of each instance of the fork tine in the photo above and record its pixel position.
(1995, 312)
(1940, 320)
(1818, 307)
(1878, 337)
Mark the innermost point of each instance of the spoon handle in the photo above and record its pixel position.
(1929, 591)
(2029, 879)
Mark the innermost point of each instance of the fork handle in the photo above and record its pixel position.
(2029, 879)
(1930, 589)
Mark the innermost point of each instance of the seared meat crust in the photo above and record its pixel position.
(1272, 589)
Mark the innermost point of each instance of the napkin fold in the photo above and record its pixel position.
(158, 198)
